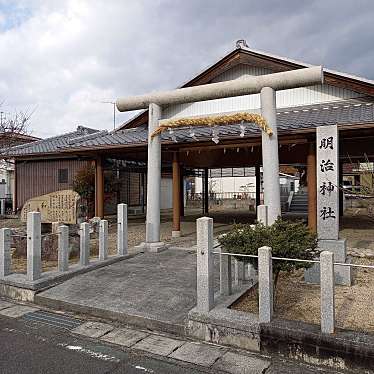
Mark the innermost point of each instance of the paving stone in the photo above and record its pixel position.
(17, 311)
(159, 345)
(93, 329)
(124, 337)
(5, 304)
(239, 364)
(198, 353)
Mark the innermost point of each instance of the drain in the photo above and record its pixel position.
(52, 319)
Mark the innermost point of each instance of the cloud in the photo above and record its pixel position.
(65, 57)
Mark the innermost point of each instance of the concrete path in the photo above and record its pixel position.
(149, 290)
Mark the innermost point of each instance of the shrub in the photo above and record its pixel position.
(286, 239)
(84, 182)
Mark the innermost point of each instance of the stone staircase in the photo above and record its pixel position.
(299, 203)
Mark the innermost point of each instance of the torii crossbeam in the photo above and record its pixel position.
(266, 85)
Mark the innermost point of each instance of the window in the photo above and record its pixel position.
(63, 176)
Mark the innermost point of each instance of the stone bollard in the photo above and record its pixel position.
(262, 214)
(122, 241)
(225, 279)
(84, 258)
(205, 290)
(103, 240)
(327, 292)
(63, 248)
(34, 246)
(5, 253)
(265, 285)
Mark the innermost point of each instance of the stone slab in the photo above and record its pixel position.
(124, 337)
(17, 311)
(5, 304)
(159, 345)
(93, 329)
(240, 364)
(198, 353)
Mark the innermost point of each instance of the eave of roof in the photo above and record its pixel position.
(290, 121)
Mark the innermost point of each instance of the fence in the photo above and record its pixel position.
(205, 273)
(198, 196)
(34, 244)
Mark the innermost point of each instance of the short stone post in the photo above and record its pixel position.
(84, 258)
(63, 248)
(103, 240)
(265, 285)
(205, 290)
(225, 279)
(34, 246)
(5, 254)
(262, 214)
(327, 292)
(122, 240)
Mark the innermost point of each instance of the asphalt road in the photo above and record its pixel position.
(29, 347)
(34, 348)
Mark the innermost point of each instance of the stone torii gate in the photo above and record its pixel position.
(266, 85)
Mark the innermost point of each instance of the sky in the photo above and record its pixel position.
(62, 59)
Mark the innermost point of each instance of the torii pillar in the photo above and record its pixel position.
(270, 157)
(266, 85)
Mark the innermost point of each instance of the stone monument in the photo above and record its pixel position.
(328, 187)
(58, 206)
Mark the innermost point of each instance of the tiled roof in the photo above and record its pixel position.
(288, 120)
(53, 144)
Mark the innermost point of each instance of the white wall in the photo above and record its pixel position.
(285, 98)
(228, 184)
(166, 193)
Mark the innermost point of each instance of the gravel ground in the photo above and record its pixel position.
(297, 300)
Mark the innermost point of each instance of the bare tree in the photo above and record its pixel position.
(12, 127)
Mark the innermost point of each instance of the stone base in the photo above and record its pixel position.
(343, 274)
(154, 247)
(337, 247)
(175, 234)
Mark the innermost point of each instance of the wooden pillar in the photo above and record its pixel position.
(176, 198)
(15, 190)
(99, 188)
(258, 185)
(206, 191)
(312, 187)
(181, 191)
